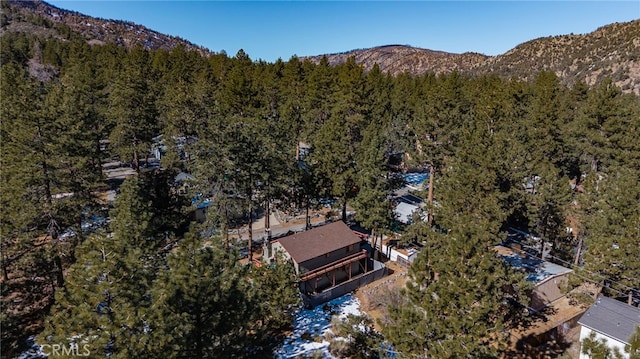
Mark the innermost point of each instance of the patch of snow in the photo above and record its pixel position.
(34, 351)
(313, 324)
(415, 178)
(66, 234)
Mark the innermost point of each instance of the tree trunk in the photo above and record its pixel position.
(45, 172)
(267, 221)
(5, 270)
(594, 164)
(250, 244)
(226, 226)
(136, 162)
(96, 160)
(59, 272)
(307, 224)
(344, 209)
(373, 243)
(430, 196)
(576, 261)
(198, 333)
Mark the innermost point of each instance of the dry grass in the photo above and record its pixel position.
(376, 296)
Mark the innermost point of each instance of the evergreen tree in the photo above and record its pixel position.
(461, 295)
(610, 226)
(362, 340)
(634, 345)
(598, 348)
(278, 300)
(403, 96)
(550, 199)
(440, 114)
(105, 302)
(80, 129)
(202, 303)
(337, 140)
(460, 298)
(207, 305)
(546, 119)
(607, 123)
(132, 109)
(182, 108)
(21, 201)
(372, 203)
(319, 99)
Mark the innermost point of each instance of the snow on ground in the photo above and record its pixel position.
(34, 351)
(415, 178)
(311, 324)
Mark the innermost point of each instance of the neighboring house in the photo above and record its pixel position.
(553, 311)
(548, 278)
(406, 205)
(328, 261)
(182, 182)
(612, 321)
(404, 212)
(202, 206)
(159, 146)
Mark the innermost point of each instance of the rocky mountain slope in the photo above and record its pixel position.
(397, 59)
(37, 16)
(610, 51)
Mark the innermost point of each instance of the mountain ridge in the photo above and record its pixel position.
(404, 58)
(98, 30)
(610, 51)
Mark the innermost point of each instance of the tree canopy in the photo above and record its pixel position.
(537, 155)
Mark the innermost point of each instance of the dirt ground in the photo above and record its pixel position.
(375, 296)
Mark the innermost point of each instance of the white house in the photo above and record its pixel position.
(612, 321)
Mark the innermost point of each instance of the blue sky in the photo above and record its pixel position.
(269, 30)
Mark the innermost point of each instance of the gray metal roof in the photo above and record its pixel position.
(538, 271)
(612, 318)
(404, 212)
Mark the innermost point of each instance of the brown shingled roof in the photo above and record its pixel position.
(318, 241)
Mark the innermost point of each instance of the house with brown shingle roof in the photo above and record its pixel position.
(328, 261)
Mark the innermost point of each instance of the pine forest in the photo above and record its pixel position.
(139, 277)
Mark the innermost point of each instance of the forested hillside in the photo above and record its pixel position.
(397, 59)
(612, 51)
(151, 283)
(36, 16)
